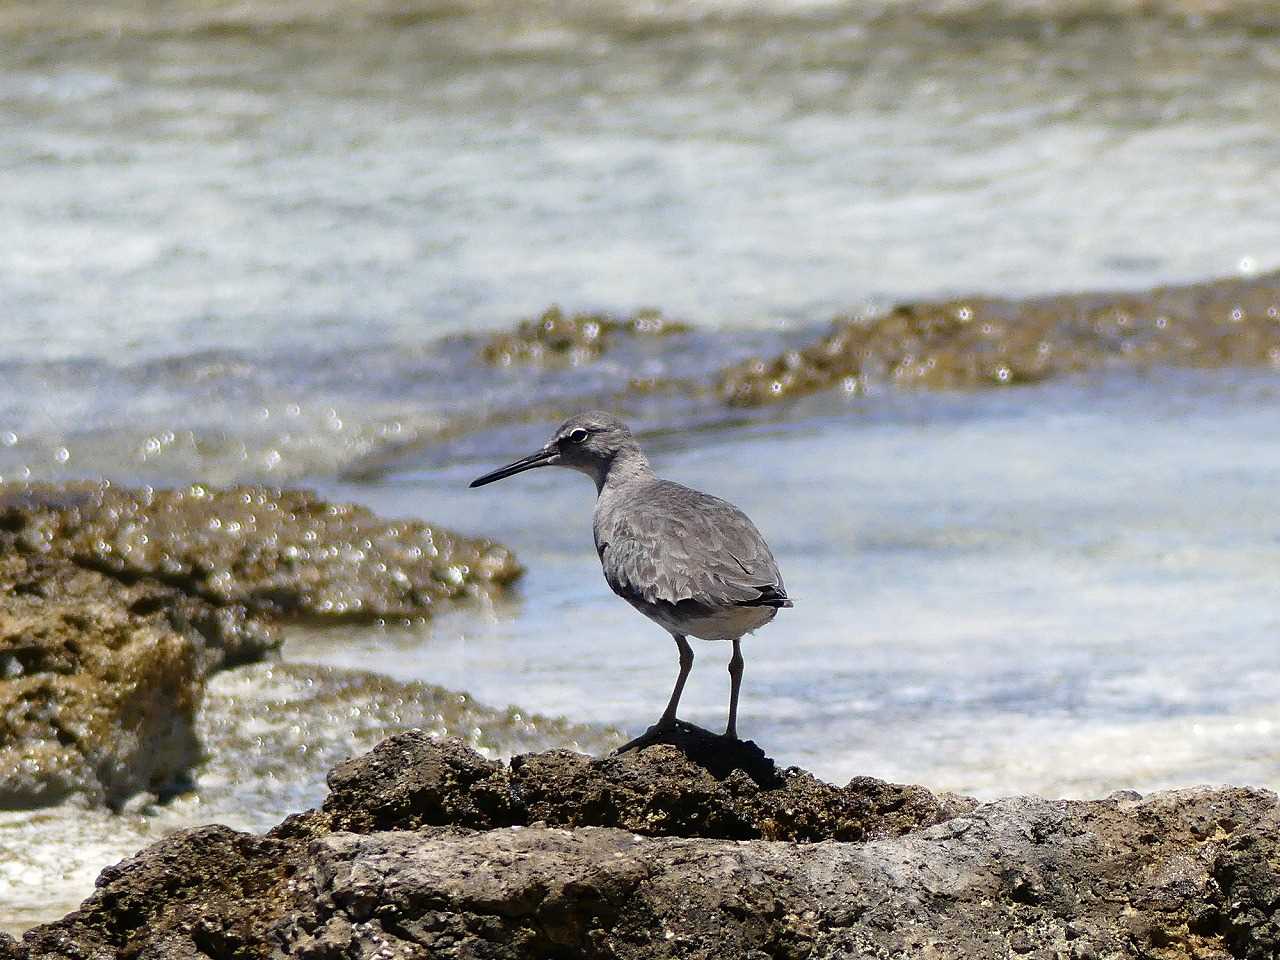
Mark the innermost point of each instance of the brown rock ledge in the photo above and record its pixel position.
(984, 342)
(276, 552)
(424, 849)
(117, 604)
(555, 338)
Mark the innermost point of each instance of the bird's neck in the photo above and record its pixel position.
(627, 467)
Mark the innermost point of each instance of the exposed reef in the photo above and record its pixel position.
(118, 604)
(280, 553)
(572, 339)
(99, 687)
(977, 342)
(425, 849)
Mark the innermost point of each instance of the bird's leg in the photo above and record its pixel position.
(735, 681)
(668, 719)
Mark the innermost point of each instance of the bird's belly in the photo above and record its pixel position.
(722, 623)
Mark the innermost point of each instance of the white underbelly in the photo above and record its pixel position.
(729, 623)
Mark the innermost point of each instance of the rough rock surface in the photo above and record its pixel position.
(117, 604)
(99, 687)
(735, 792)
(278, 552)
(557, 338)
(983, 342)
(424, 849)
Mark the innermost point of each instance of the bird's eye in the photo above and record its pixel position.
(578, 436)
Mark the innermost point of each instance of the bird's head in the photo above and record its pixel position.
(588, 442)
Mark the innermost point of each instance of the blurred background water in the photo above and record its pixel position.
(261, 241)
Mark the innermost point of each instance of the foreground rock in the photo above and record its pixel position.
(272, 731)
(423, 849)
(117, 604)
(978, 342)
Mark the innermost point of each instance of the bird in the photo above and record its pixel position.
(692, 563)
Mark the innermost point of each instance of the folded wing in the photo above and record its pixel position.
(674, 545)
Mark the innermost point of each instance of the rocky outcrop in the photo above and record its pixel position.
(424, 849)
(99, 687)
(119, 603)
(978, 342)
(280, 553)
(559, 339)
(733, 792)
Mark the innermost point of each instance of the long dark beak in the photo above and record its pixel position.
(540, 459)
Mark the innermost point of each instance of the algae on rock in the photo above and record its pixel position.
(557, 338)
(980, 342)
(99, 689)
(278, 552)
(119, 603)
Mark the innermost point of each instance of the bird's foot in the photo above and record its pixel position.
(658, 733)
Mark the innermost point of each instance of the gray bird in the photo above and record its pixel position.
(690, 562)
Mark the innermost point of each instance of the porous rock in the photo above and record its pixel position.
(99, 689)
(1185, 874)
(278, 552)
(411, 780)
(117, 604)
(983, 342)
(559, 338)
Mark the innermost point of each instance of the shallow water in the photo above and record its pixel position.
(221, 209)
(1064, 590)
(272, 732)
(259, 241)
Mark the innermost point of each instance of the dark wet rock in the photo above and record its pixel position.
(557, 338)
(410, 781)
(978, 342)
(282, 553)
(206, 892)
(98, 689)
(660, 791)
(118, 604)
(1192, 873)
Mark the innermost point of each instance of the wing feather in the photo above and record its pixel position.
(667, 543)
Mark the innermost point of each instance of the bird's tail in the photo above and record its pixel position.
(771, 595)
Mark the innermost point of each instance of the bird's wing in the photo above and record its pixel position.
(674, 544)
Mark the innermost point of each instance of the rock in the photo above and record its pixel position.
(270, 732)
(145, 904)
(99, 691)
(555, 338)
(980, 342)
(661, 791)
(282, 553)
(120, 603)
(1191, 873)
(410, 780)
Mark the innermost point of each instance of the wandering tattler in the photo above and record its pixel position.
(690, 562)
